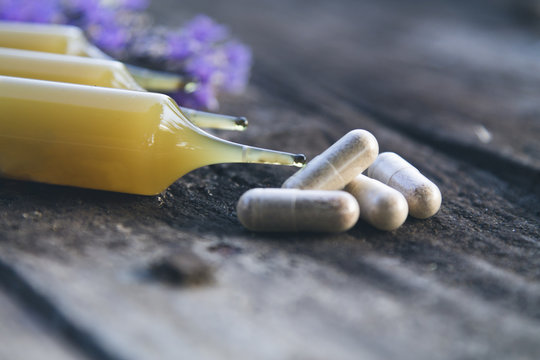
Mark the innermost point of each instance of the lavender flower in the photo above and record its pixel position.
(204, 30)
(203, 97)
(198, 35)
(210, 60)
(239, 60)
(201, 50)
(92, 5)
(100, 20)
(44, 11)
(180, 46)
(105, 30)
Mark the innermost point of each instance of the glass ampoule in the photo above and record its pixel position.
(95, 72)
(107, 139)
(70, 40)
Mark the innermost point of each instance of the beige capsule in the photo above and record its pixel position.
(423, 196)
(381, 206)
(297, 210)
(337, 165)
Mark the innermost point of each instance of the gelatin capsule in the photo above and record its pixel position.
(297, 210)
(95, 72)
(107, 139)
(337, 165)
(381, 206)
(423, 196)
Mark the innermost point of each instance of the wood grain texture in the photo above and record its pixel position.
(21, 338)
(452, 86)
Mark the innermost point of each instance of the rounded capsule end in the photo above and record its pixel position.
(348, 213)
(381, 206)
(365, 146)
(245, 209)
(427, 199)
(389, 211)
(365, 141)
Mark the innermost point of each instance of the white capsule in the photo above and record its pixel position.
(381, 206)
(337, 165)
(423, 196)
(297, 210)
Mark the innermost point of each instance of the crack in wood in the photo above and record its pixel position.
(50, 316)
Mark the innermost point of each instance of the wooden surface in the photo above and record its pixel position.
(453, 86)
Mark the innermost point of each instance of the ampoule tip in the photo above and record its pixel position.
(241, 122)
(299, 160)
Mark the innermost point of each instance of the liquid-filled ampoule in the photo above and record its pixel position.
(70, 40)
(95, 72)
(107, 139)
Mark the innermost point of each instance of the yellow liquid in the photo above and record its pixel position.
(70, 40)
(58, 39)
(108, 139)
(72, 69)
(95, 72)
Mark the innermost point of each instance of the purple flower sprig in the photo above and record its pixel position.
(202, 51)
(206, 54)
(43, 11)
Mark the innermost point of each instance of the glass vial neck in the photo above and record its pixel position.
(149, 79)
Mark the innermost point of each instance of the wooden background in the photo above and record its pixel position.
(453, 86)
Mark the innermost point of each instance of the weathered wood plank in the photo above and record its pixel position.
(22, 338)
(445, 284)
(464, 284)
